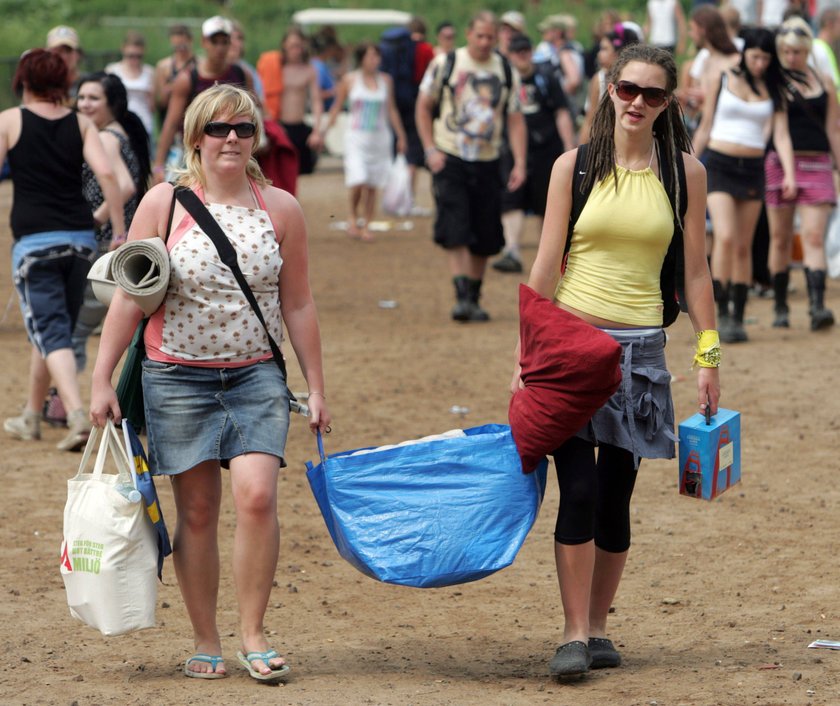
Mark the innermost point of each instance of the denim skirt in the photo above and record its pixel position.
(639, 417)
(196, 414)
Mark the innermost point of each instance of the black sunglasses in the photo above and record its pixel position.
(628, 91)
(798, 31)
(242, 130)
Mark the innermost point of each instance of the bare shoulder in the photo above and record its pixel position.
(159, 196)
(694, 169)
(564, 165)
(281, 203)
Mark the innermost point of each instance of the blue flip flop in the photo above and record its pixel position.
(212, 660)
(273, 676)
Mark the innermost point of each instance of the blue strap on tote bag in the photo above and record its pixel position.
(429, 514)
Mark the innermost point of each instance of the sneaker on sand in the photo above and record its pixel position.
(508, 263)
(54, 413)
(26, 427)
(78, 431)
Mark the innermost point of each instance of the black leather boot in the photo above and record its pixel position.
(781, 280)
(820, 316)
(738, 333)
(463, 306)
(477, 313)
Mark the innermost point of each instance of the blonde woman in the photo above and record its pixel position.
(812, 119)
(209, 366)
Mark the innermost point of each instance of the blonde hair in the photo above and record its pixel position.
(221, 101)
(794, 32)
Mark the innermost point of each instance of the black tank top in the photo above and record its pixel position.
(46, 167)
(235, 75)
(806, 121)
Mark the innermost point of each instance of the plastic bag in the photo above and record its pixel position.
(435, 513)
(832, 245)
(109, 554)
(396, 198)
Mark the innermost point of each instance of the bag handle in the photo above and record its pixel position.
(320, 441)
(110, 441)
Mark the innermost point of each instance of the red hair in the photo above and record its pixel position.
(43, 73)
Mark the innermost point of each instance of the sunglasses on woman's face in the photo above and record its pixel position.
(798, 31)
(628, 91)
(242, 130)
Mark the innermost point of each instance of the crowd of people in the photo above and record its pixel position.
(749, 124)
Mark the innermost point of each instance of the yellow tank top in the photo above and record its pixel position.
(618, 246)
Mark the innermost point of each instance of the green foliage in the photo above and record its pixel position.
(102, 23)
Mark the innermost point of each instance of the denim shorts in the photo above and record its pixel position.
(50, 274)
(196, 414)
(639, 417)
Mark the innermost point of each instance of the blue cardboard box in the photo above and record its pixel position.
(710, 454)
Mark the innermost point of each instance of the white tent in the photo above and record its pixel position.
(330, 16)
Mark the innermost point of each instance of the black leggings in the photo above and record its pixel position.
(594, 495)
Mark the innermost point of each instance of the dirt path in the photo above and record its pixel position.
(719, 600)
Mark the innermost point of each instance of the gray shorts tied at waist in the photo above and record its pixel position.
(639, 417)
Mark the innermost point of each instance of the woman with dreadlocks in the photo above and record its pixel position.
(743, 105)
(612, 281)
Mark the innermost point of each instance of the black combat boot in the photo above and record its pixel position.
(781, 280)
(820, 316)
(477, 313)
(738, 333)
(463, 306)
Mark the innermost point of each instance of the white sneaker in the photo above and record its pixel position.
(26, 427)
(78, 431)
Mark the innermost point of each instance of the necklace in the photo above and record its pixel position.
(619, 160)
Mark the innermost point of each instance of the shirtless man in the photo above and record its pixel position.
(182, 57)
(214, 67)
(300, 87)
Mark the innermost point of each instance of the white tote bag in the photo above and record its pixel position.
(109, 552)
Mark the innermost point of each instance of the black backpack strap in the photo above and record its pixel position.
(578, 198)
(227, 253)
(508, 78)
(448, 68)
(672, 277)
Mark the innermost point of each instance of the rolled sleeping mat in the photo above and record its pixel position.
(141, 269)
(101, 279)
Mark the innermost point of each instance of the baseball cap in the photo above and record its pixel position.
(513, 19)
(557, 22)
(216, 25)
(62, 36)
(519, 42)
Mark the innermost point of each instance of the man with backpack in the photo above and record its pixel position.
(405, 57)
(550, 133)
(465, 99)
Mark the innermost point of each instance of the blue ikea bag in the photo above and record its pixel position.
(434, 513)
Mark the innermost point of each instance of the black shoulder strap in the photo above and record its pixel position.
(208, 224)
(578, 198)
(448, 68)
(672, 277)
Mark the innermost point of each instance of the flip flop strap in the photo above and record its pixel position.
(212, 660)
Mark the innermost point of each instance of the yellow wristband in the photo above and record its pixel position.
(708, 349)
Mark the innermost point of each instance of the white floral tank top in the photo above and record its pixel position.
(205, 319)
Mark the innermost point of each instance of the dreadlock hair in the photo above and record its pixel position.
(776, 77)
(668, 129)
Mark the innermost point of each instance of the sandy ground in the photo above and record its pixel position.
(718, 603)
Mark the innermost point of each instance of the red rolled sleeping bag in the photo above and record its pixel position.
(569, 369)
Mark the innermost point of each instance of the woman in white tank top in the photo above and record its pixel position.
(367, 142)
(741, 110)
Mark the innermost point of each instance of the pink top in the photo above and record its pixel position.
(206, 320)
